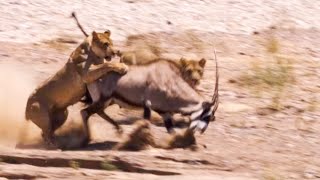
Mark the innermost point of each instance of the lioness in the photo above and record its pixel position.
(47, 105)
(191, 70)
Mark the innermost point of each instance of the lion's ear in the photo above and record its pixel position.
(202, 62)
(94, 35)
(107, 32)
(183, 61)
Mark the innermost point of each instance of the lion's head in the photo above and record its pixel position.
(192, 70)
(102, 46)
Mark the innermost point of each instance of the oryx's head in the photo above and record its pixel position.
(200, 119)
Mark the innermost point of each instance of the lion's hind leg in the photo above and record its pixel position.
(58, 117)
(40, 115)
(43, 119)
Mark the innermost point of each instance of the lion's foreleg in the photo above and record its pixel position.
(96, 72)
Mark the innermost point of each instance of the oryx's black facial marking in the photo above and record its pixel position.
(201, 121)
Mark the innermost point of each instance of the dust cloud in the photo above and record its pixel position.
(16, 86)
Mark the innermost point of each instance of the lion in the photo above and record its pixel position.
(137, 57)
(47, 105)
(191, 70)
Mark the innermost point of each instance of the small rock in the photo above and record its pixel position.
(256, 32)
(169, 22)
(273, 27)
(232, 81)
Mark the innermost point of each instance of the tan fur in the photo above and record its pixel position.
(191, 70)
(139, 139)
(47, 105)
(137, 57)
(181, 140)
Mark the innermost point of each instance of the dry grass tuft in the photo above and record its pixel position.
(271, 174)
(195, 42)
(271, 76)
(108, 166)
(138, 42)
(74, 164)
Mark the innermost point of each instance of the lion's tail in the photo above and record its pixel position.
(73, 14)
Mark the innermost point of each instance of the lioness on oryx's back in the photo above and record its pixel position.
(47, 105)
(191, 70)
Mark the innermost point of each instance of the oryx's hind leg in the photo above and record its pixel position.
(59, 117)
(147, 109)
(167, 117)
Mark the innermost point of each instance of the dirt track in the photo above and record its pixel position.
(254, 137)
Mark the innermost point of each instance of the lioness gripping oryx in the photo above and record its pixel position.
(161, 83)
(47, 105)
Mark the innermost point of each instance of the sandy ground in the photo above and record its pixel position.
(267, 130)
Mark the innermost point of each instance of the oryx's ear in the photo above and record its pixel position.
(94, 35)
(107, 32)
(202, 62)
(183, 61)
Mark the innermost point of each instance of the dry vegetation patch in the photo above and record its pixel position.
(272, 75)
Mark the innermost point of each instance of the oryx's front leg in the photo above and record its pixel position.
(167, 117)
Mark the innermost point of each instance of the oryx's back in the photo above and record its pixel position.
(160, 82)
